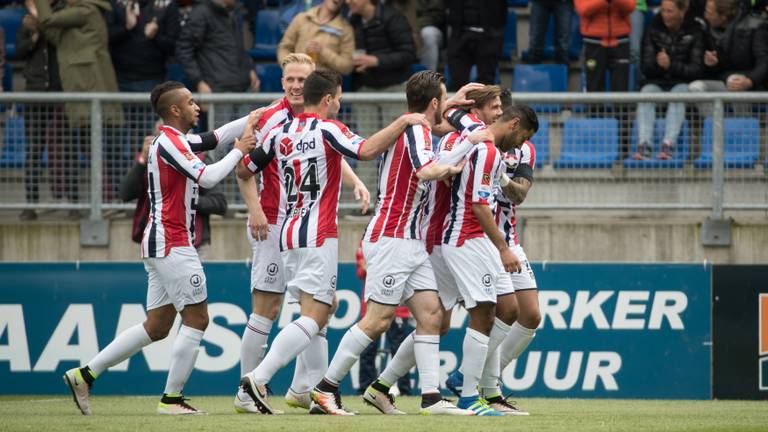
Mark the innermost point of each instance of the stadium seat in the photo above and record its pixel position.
(10, 20)
(268, 35)
(541, 78)
(7, 77)
(541, 143)
(589, 143)
(679, 156)
(742, 143)
(509, 50)
(517, 3)
(269, 75)
(14, 144)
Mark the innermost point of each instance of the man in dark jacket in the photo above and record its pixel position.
(384, 52)
(736, 58)
(430, 15)
(134, 187)
(44, 123)
(211, 52)
(477, 38)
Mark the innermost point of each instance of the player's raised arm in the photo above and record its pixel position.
(223, 135)
(381, 140)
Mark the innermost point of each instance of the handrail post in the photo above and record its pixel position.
(97, 159)
(716, 230)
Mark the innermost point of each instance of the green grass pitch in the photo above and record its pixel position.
(58, 413)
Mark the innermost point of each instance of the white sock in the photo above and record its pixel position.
(185, 350)
(489, 380)
(515, 343)
(474, 351)
(254, 342)
(352, 344)
(125, 345)
(426, 349)
(311, 364)
(403, 361)
(292, 340)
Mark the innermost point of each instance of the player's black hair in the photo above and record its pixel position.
(161, 106)
(528, 118)
(318, 84)
(506, 98)
(421, 88)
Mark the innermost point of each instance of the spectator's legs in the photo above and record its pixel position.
(460, 60)
(675, 116)
(431, 41)
(36, 121)
(562, 11)
(595, 59)
(637, 19)
(619, 66)
(705, 109)
(487, 59)
(537, 31)
(646, 115)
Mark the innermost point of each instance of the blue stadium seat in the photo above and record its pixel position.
(268, 35)
(679, 156)
(7, 77)
(517, 3)
(541, 143)
(541, 78)
(10, 20)
(742, 143)
(589, 143)
(574, 50)
(269, 75)
(14, 144)
(509, 50)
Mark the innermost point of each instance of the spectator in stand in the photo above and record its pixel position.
(384, 53)
(637, 24)
(430, 15)
(737, 57)
(142, 36)
(323, 34)
(44, 123)
(560, 11)
(398, 331)
(134, 187)
(79, 33)
(476, 39)
(673, 55)
(2, 56)
(605, 26)
(210, 50)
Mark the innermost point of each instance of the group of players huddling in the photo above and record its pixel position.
(443, 233)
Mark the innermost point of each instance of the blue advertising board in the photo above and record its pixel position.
(608, 330)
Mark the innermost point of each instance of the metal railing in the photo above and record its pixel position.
(582, 125)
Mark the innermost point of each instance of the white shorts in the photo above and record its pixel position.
(478, 271)
(525, 280)
(176, 278)
(396, 269)
(446, 284)
(312, 270)
(267, 269)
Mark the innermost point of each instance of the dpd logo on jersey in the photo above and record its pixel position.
(304, 146)
(286, 146)
(762, 322)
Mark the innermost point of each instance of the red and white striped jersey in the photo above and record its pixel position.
(309, 152)
(402, 199)
(474, 186)
(512, 163)
(439, 197)
(173, 171)
(271, 195)
(464, 122)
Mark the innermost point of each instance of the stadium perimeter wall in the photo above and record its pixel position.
(572, 236)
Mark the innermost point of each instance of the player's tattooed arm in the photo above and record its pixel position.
(516, 189)
(383, 139)
(485, 217)
(350, 179)
(436, 171)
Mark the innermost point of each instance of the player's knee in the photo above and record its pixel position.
(530, 319)
(334, 306)
(374, 326)
(157, 331)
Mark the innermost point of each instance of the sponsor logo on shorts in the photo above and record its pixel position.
(487, 280)
(195, 280)
(333, 282)
(389, 282)
(272, 269)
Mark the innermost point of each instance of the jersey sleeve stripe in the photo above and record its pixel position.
(413, 148)
(333, 142)
(168, 157)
